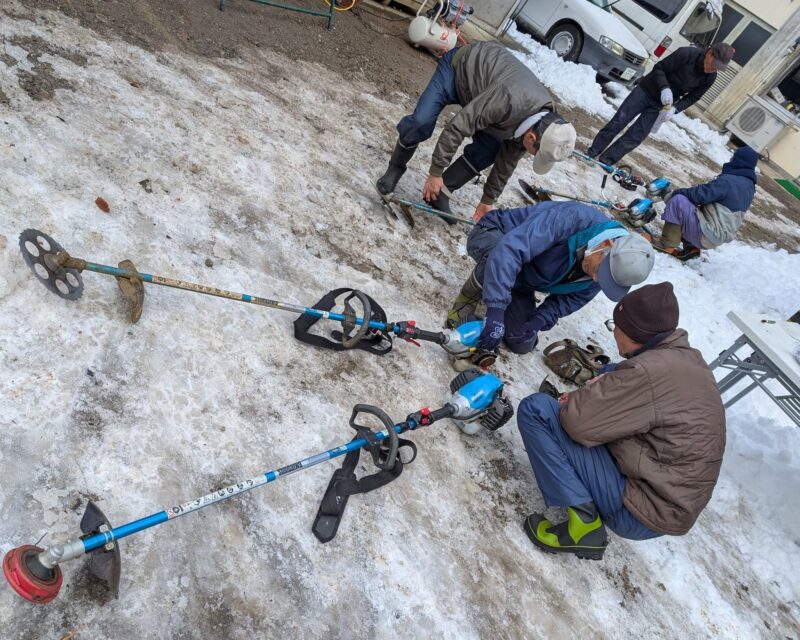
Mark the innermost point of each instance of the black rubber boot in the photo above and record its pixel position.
(397, 167)
(582, 534)
(454, 177)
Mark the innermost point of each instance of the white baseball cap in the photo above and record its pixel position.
(557, 144)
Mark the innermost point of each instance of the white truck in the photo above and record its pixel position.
(586, 31)
(665, 25)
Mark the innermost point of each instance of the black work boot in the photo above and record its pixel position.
(397, 167)
(466, 303)
(454, 177)
(583, 533)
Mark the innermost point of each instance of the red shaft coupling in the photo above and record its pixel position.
(24, 582)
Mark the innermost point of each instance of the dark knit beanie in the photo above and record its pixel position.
(644, 313)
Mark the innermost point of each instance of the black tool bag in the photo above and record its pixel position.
(351, 337)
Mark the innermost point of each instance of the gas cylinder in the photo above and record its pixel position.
(431, 34)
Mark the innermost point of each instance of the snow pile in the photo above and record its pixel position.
(248, 193)
(576, 85)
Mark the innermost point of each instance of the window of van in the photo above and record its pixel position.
(664, 10)
(701, 26)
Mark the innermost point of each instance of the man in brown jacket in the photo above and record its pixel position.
(639, 448)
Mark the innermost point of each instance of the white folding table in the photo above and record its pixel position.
(774, 347)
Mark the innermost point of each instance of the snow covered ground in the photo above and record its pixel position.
(264, 167)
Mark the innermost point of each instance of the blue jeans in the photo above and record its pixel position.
(440, 92)
(480, 242)
(638, 103)
(569, 474)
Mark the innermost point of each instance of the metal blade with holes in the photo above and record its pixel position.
(39, 252)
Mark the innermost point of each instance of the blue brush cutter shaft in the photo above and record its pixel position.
(605, 166)
(98, 540)
(232, 295)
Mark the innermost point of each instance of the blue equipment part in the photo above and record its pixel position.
(658, 188)
(462, 341)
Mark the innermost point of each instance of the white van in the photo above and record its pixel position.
(586, 31)
(663, 26)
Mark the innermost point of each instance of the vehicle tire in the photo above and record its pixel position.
(566, 40)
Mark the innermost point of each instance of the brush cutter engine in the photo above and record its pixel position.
(658, 188)
(479, 401)
(639, 212)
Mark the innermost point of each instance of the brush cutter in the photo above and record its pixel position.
(61, 273)
(389, 201)
(638, 212)
(35, 573)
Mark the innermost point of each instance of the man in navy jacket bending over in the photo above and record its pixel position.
(567, 250)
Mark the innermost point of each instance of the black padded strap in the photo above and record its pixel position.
(344, 484)
(378, 344)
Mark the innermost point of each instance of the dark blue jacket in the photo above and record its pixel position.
(534, 253)
(734, 188)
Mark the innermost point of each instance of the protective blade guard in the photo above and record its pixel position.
(35, 574)
(105, 563)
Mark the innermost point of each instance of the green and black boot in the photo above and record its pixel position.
(583, 533)
(466, 303)
(454, 177)
(397, 167)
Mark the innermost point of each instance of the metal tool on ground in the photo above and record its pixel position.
(407, 205)
(637, 213)
(35, 573)
(622, 175)
(61, 273)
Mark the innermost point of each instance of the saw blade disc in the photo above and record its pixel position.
(39, 251)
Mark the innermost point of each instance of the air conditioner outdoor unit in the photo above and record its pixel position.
(757, 122)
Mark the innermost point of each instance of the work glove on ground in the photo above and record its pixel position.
(666, 97)
(493, 329)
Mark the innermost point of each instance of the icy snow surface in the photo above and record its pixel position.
(264, 166)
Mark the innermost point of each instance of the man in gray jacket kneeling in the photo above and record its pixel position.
(639, 448)
(505, 110)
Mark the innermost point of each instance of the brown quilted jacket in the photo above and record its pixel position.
(661, 417)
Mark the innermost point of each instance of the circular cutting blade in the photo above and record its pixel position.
(39, 251)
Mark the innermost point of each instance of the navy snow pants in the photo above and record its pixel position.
(569, 474)
(638, 103)
(440, 92)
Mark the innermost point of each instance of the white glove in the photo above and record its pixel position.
(666, 97)
(665, 115)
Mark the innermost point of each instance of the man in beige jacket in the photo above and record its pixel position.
(639, 448)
